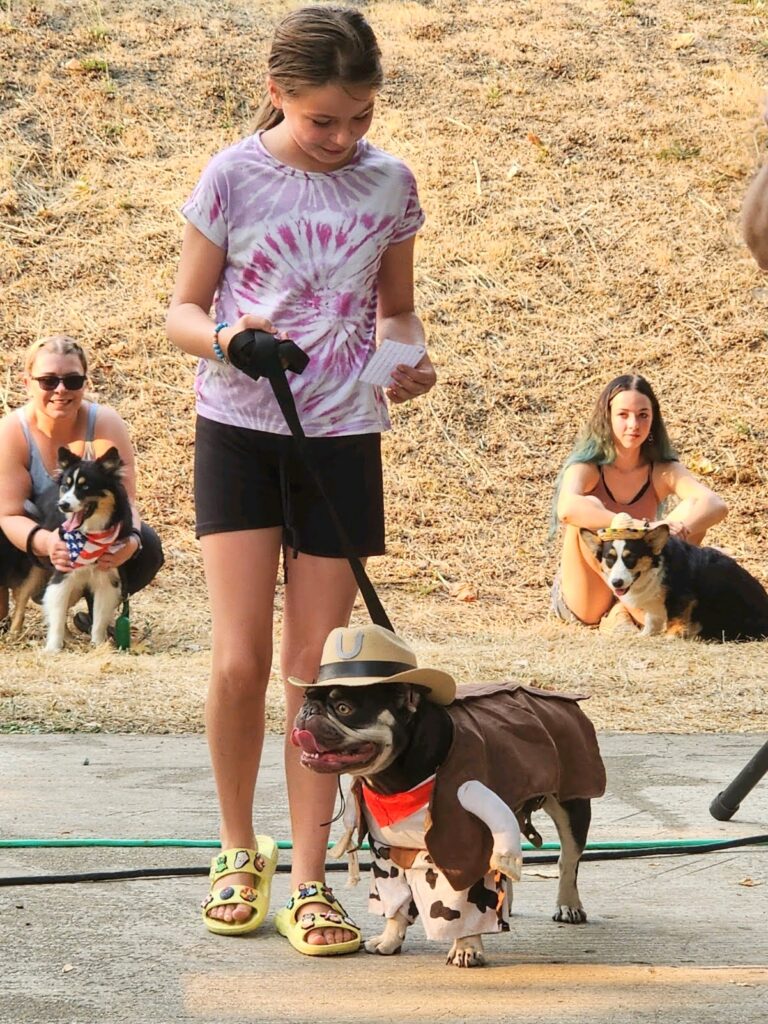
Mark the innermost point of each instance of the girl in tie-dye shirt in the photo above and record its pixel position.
(305, 230)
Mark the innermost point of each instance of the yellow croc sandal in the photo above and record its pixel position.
(260, 865)
(295, 925)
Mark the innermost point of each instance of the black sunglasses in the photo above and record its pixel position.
(71, 381)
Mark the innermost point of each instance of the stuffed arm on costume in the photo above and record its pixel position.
(507, 856)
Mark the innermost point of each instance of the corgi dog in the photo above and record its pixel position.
(97, 514)
(680, 588)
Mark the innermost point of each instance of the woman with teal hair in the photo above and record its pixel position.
(621, 462)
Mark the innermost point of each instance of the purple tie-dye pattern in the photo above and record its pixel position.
(344, 304)
(287, 236)
(303, 250)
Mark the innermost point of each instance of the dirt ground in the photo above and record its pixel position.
(582, 168)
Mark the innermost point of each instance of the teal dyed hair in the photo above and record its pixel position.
(595, 443)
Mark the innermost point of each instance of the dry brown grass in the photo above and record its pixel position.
(582, 167)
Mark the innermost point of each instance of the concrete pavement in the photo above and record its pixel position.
(679, 939)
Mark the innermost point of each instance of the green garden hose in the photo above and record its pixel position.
(593, 851)
(282, 844)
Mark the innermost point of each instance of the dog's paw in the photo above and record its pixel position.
(654, 625)
(391, 939)
(467, 952)
(383, 945)
(570, 915)
(508, 862)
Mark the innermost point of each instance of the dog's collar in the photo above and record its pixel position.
(388, 810)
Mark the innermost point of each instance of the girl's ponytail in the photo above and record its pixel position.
(267, 116)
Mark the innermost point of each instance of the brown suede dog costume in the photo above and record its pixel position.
(523, 744)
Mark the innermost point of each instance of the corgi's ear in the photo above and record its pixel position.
(592, 541)
(657, 538)
(66, 458)
(111, 461)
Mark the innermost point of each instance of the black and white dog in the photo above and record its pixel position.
(443, 793)
(681, 588)
(97, 514)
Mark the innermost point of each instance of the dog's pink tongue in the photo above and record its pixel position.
(303, 738)
(73, 522)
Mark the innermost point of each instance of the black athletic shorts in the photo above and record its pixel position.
(250, 479)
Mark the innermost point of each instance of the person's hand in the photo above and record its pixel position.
(54, 547)
(245, 323)
(411, 381)
(676, 528)
(118, 553)
(262, 351)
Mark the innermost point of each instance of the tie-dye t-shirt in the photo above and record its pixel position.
(303, 250)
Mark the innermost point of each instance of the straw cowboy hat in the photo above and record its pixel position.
(364, 655)
(624, 527)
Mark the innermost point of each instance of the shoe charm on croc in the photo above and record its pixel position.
(295, 924)
(260, 866)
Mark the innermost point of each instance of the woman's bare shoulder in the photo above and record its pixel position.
(581, 475)
(11, 435)
(668, 471)
(667, 477)
(111, 429)
(107, 416)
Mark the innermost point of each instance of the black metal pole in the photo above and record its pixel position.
(725, 804)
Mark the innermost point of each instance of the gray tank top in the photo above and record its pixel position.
(41, 478)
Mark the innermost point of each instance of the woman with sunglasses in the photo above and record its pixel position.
(57, 415)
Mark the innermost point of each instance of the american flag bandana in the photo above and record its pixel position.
(87, 548)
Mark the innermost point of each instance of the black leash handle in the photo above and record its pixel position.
(258, 354)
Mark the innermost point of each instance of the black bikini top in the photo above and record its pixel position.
(639, 494)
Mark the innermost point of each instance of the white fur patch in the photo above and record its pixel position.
(62, 594)
(643, 585)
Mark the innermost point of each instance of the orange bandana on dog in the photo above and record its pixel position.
(388, 810)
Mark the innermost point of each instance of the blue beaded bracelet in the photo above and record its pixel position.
(218, 351)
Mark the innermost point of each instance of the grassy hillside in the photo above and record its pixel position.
(582, 167)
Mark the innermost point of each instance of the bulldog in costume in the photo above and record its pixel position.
(445, 783)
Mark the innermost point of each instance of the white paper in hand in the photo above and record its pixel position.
(378, 369)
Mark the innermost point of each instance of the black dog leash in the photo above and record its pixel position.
(259, 354)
